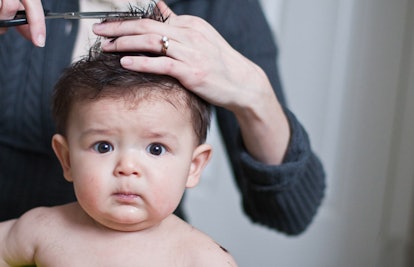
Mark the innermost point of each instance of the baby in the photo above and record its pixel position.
(130, 143)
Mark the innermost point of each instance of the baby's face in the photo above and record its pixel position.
(129, 163)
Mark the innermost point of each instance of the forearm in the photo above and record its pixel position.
(264, 128)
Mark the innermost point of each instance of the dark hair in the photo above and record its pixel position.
(100, 75)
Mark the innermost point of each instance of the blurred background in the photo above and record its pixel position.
(347, 67)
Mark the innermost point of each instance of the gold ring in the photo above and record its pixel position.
(165, 43)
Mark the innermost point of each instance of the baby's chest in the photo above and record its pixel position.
(104, 254)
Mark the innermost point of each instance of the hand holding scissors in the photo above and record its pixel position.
(35, 30)
(23, 19)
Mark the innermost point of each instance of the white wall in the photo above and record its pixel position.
(348, 70)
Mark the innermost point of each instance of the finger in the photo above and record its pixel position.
(116, 28)
(145, 43)
(8, 8)
(36, 20)
(160, 65)
(184, 29)
(191, 78)
(151, 27)
(131, 27)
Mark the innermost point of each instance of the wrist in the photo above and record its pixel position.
(265, 129)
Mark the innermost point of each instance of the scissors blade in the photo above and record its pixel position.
(91, 15)
(21, 19)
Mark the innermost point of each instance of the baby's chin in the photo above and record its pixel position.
(126, 226)
(127, 223)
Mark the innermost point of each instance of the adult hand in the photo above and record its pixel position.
(35, 30)
(200, 58)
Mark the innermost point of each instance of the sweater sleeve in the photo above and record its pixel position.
(287, 196)
(284, 197)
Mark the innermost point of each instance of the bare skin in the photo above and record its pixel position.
(85, 243)
(130, 167)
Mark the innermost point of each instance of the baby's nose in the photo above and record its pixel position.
(127, 165)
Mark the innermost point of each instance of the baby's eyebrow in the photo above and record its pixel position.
(97, 131)
(148, 133)
(159, 134)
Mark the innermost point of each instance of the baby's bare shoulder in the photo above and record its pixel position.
(42, 220)
(47, 216)
(204, 251)
(22, 237)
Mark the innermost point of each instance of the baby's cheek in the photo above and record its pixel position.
(167, 201)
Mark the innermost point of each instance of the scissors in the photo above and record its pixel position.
(21, 19)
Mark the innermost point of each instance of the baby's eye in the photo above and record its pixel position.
(156, 149)
(103, 147)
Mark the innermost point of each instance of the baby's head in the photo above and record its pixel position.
(115, 125)
(100, 76)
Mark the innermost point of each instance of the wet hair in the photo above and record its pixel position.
(141, 11)
(101, 76)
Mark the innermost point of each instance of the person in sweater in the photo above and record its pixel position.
(221, 50)
(130, 143)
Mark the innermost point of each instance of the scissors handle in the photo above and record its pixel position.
(19, 19)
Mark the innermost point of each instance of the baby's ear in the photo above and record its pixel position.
(61, 148)
(201, 157)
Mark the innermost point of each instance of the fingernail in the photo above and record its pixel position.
(40, 41)
(98, 26)
(126, 61)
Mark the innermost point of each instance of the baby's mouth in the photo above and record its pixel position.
(126, 197)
